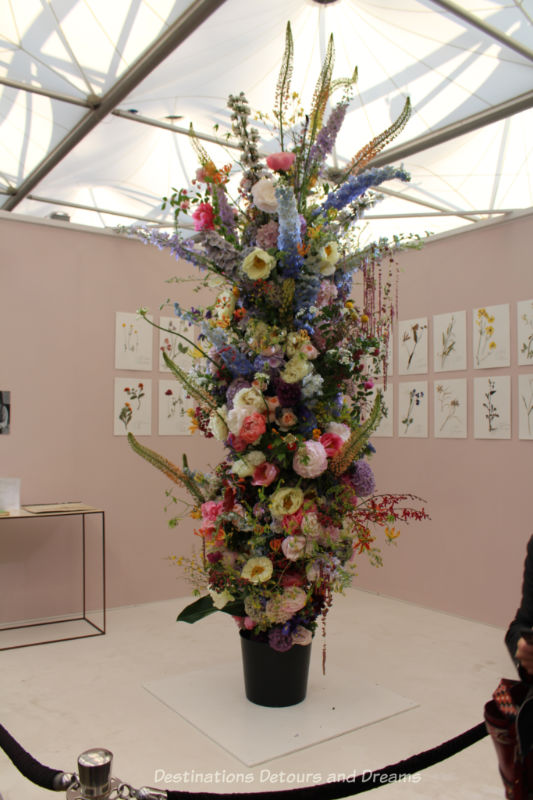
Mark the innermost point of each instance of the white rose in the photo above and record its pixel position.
(217, 424)
(246, 465)
(263, 193)
(295, 369)
(235, 419)
(251, 399)
(340, 429)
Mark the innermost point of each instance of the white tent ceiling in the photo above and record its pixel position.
(96, 97)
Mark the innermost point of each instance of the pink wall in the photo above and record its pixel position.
(59, 290)
(468, 559)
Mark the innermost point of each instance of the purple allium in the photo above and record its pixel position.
(279, 641)
(362, 478)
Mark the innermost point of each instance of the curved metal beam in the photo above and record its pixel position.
(186, 24)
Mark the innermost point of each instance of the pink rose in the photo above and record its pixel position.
(264, 474)
(237, 443)
(292, 522)
(203, 217)
(280, 162)
(331, 443)
(311, 460)
(252, 428)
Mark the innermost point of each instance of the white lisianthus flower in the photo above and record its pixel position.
(296, 369)
(245, 466)
(220, 599)
(258, 264)
(217, 424)
(251, 399)
(264, 195)
(302, 636)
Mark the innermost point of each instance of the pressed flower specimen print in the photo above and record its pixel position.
(413, 409)
(132, 406)
(490, 339)
(524, 318)
(413, 346)
(492, 407)
(174, 410)
(133, 342)
(450, 409)
(525, 406)
(449, 341)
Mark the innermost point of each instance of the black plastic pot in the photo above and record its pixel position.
(272, 678)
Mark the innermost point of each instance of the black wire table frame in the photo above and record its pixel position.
(97, 630)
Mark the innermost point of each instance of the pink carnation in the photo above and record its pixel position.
(203, 217)
(280, 162)
(253, 428)
(264, 474)
(311, 460)
(331, 443)
(210, 512)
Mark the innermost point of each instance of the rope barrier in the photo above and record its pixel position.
(56, 780)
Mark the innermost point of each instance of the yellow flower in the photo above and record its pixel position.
(286, 501)
(257, 570)
(489, 330)
(258, 264)
(492, 345)
(364, 318)
(391, 533)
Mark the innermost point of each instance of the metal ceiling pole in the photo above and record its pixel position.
(206, 137)
(487, 213)
(493, 32)
(493, 114)
(65, 98)
(187, 23)
(426, 203)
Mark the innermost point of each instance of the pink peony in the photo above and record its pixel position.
(252, 428)
(311, 460)
(331, 443)
(280, 162)
(203, 217)
(264, 474)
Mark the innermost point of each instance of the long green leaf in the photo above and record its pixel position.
(203, 607)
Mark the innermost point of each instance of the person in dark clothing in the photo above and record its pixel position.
(521, 651)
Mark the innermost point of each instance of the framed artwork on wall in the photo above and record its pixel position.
(413, 409)
(490, 339)
(413, 346)
(5, 413)
(173, 406)
(450, 409)
(133, 407)
(172, 344)
(524, 321)
(133, 342)
(449, 341)
(492, 407)
(525, 406)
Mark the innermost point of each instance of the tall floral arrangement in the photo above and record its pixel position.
(284, 366)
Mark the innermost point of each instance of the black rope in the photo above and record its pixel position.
(361, 783)
(27, 764)
(45, 777)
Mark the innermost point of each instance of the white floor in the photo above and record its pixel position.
(60, 699)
